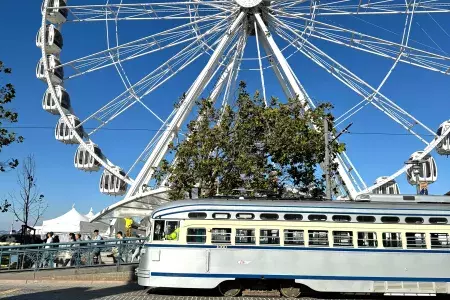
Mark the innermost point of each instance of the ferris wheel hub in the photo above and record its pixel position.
(248, 3)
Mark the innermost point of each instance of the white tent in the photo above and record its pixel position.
(72, 221)
(90, 214)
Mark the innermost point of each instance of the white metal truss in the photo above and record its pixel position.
(199, 84)
(145, 11)
(220, 29)
(296, 92)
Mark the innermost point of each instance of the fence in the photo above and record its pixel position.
(70, 255)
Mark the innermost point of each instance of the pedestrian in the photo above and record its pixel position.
(47, 255)
(117, 255)
(68, 253)
(96, 253)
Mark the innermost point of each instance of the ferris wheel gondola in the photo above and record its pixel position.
(53, 39)
(220, 31)
(62, 97)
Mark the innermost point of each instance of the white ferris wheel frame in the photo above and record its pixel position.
(287, 79)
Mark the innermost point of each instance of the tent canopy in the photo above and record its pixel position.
(72, 221)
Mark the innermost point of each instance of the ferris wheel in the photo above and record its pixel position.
(223, 41)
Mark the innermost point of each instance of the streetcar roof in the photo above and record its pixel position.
(371, 202)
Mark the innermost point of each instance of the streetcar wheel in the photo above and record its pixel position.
(230, 288)
(290, 290)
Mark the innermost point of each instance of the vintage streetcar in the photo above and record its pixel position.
(388, 244)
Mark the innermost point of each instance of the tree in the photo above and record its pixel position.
(274, 148)
(7, 94)
(29, 205)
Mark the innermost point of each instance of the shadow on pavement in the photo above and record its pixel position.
(76, 293)
(134, 291)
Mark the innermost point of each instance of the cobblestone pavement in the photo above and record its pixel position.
(132, 292)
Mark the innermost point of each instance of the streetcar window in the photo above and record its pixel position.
(414, 220)
(415, 240)
(439, 240)
(269, 216)
(294, 237)
(166, 230)
(269, 236)
(341, 218)
(438, 220)
(317, 217)
(221, 216)
(245, 216)
(245, 236)
(293, 217)
(392, 240)
(196, 235)
(221, 235)
(365, 219)
(197, 215)
(158, 232)
(318, 238)
(367, 239)
(390, 219)
(343, 238)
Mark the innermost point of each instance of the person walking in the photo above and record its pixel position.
(68, 254)
(47, 256)
(117, 253)
(96, 253)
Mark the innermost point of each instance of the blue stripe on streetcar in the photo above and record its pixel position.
(290, 248)
(311, 277)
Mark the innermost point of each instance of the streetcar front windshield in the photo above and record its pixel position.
(164, 230)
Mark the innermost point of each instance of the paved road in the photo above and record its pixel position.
(130, 292)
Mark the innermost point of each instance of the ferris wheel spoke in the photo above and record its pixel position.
(216, 90)
(141, 47)
(374, 45)
(146, 11)
(332, 66)
(366, 7)
(160, 150)
(149, 83)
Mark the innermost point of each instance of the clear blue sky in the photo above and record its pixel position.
(422, 93)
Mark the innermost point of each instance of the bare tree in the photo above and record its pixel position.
(28, 204)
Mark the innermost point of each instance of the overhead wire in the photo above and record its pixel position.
(184, 130)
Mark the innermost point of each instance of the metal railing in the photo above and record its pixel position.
(70, 255)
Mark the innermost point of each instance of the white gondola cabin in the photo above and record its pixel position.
(63, 98)
(111, 184)
(53, 40)
(389, 188)
(443, 148)
(56, 11)
(84, 160)
(427, 170)
(64, 134)
(55, 70)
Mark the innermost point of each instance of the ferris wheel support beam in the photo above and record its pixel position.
(297, 92)
(197, 87)
(361, 87)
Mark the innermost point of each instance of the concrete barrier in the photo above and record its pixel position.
(105, 274)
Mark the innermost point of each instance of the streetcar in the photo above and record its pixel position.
(387, 244)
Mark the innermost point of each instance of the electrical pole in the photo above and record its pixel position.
(327, 159)
(327, 154)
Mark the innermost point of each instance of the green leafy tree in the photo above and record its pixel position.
(276, 149)
(7, 94)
